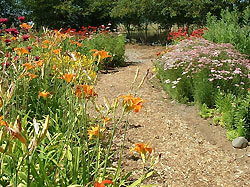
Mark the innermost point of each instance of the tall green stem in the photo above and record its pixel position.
(111, 141)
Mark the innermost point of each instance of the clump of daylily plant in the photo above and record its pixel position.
(52, 130)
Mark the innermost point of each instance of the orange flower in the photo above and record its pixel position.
(94, 131)
(32, 76)
(3, 123)
(44, 46)
(67, 77)
(141, 148)
(102, 184)
(132, 102)
(39, 62)
(88, 91)
(28, 66)
(21, 51)
(46, 42)
(56, 51)
(16, 130)
(102, 54)
(106, 119)
(43, 94)
(25, 26)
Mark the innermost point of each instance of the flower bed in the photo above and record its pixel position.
(196, 70)
(52, 130)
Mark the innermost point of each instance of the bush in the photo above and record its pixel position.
(111, 42)
(198, 70)
(228, 30)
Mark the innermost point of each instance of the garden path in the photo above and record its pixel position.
(192, 152)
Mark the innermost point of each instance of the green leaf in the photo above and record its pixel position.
(141, 179)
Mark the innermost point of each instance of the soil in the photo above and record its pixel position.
(191, 151)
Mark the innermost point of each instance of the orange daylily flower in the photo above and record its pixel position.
(16, 130)
(102, 54)
(3, 123)
(32, 76)
(106, 119)
(102, 184)
(94, 131)
(43, 94)
(28, 66)
(21, 51)
(46, 42)
(132, 102)
(44, 46)
(68, 77)
(25, 26)
(56, 51)
(39, 62)
(141, 148)
(88, 91)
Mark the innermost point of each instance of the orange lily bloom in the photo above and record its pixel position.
(43, 94)
(28, 66)
(56, 51)
(68, 77)
(21, 51)
(3, 123)
(94, 131)
(32, 76)
(102, 54)
(88, 91)
(102, 184)
(106, 120)
(25, 26)
(132, 102)
(39, 62)
(141, 148)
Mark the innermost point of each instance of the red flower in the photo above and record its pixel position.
(102, 184)
(7, 41)
(29, 48)
(6, 64)
(25, 37)
(3, 20)
(21, 18)
(37, 58)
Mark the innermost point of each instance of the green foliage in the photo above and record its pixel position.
(233, 114)
(228, 29)
(114, 44)
(206, 112)
(72, 13)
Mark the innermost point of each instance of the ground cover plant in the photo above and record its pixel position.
(52, 130)
(211, 75)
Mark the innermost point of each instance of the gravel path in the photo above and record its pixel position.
(192, 152)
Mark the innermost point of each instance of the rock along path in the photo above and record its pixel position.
(192, 152)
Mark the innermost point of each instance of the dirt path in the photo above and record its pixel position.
(192, 152)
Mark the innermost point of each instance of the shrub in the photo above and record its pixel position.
(228, 30)
(198, 70)
(111, 42)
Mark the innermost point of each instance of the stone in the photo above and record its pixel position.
(240, 143)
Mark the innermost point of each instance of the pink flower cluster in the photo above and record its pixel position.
(222, 62)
